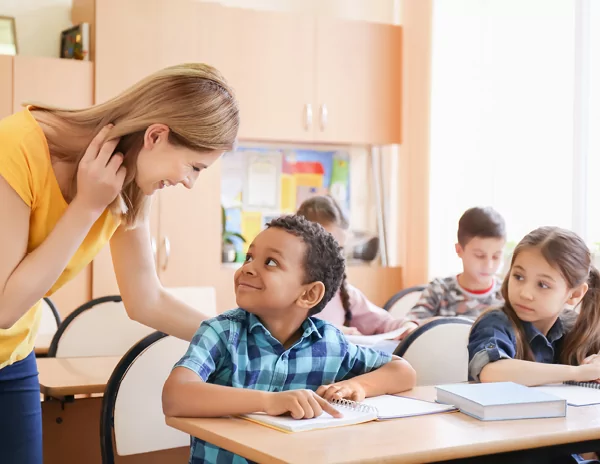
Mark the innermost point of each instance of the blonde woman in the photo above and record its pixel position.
(73, 180)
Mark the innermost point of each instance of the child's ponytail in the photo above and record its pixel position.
(584, 339)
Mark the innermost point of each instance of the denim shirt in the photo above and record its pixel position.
(493, 338)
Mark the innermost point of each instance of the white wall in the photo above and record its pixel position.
(39, 24)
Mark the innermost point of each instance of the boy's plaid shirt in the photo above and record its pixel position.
(236, 350)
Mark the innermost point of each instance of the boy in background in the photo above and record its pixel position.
(481, 240)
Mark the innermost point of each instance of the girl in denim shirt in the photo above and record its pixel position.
(533, 339)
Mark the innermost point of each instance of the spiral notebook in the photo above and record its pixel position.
(576, 393)
(382, 407)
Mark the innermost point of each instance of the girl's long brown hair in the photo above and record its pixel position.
(567, 252)
(324, 210)
(193, 100)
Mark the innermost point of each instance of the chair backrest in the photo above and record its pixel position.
(100, 327)
(132, 403)
(438, 351)
(201, 298)
(403, 301)
(50, 320)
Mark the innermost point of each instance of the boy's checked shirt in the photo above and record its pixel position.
(236, 350)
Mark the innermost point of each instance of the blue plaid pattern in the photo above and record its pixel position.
(236, 350)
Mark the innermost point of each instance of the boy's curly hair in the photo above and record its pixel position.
(324, 261)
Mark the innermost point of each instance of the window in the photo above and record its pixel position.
(501, 117)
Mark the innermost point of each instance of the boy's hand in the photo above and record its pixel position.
(348, 389)
(301, 404)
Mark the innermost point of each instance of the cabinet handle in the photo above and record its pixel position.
(308, 116)
(324, 117)
(167, 245)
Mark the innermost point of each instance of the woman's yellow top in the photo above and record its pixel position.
(25, 164)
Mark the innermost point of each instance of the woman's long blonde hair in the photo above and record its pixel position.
(193, 100)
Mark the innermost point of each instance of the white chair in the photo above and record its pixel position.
(202, 298)
(132, 420)
(403, 301)
(50, 320)
(100, 327)
(438, 351)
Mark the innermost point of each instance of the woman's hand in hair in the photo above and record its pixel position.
(100, 174)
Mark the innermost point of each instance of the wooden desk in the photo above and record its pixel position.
(70, 428)
(42, 344)
(423, 439)
(61, 377)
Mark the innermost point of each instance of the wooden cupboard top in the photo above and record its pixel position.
(75, 376)
(409, 440)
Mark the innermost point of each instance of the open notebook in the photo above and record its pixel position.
(377, 408)
(576, 393)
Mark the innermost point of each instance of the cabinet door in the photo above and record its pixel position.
(65, 83)
(135, 38)
(6, 85)
(268, 57)
(189, 249)
(358, 82)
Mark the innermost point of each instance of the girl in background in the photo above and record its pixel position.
(349, 310)
(533, 339)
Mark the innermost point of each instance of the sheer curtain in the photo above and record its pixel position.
(501, 117)
(593, 146)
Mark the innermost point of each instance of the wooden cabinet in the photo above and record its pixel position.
(135, 38)
(268, 58)
(298, 78)
(6, 85)
(301, 78)
(189, 240)
(358, 75)
(65, 83)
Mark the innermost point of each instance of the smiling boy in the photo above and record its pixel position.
(270, 355)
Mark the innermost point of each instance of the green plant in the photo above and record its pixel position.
(227, 235)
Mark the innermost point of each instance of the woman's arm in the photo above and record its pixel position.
(533, 373)
(26, 277)
(144, 297)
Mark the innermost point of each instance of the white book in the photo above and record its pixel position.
(501, 401)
